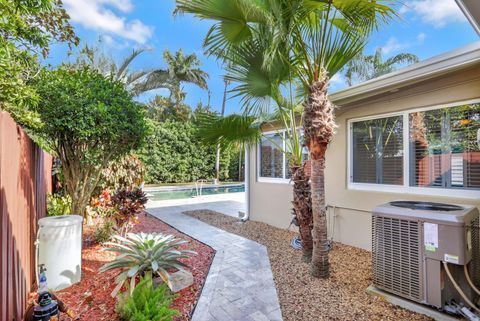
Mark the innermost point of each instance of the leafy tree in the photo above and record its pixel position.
(363, 68)
(88, 122)
(309, 40)
(27, 28)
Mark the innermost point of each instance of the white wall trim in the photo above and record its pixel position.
(405, 188)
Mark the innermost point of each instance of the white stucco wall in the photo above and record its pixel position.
(270, 202)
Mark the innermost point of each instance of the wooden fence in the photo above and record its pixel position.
(25, 179)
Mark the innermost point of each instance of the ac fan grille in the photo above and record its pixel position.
(396, 256)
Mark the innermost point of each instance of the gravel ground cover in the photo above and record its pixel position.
(91, 300)
(303, 298)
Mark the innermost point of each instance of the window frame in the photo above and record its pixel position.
(405, 188)
(276, 180)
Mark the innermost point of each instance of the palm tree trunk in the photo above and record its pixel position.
(303, 209)
(217, 160)
(319, 127)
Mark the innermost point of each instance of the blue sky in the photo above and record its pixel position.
(425, 28)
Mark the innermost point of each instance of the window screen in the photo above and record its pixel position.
(445, 147)
(271, 156)
(377, 151)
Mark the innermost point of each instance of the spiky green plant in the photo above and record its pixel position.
(141, 254)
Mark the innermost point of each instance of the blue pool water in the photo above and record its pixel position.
(191, 192)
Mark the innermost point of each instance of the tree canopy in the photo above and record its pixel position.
(26, 30)
(88, 121)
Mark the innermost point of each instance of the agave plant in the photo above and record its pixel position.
(142, 254)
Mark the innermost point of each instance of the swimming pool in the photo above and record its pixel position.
(191, 192)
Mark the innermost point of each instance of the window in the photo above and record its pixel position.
(271, 156)
(378, 151)
(445, 147)
(273, 163)
(432, 149)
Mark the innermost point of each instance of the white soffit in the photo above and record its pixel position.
(471, 9)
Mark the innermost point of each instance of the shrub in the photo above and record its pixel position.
(104, 232)
(58, 204)
(147, 303)
(141, 253)
(128, 204)
(174, 154)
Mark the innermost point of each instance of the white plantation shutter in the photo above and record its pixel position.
(444, 151)
(377, 151)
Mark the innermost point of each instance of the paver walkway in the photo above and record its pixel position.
(240, 285)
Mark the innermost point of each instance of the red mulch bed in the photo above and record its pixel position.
(91, 299)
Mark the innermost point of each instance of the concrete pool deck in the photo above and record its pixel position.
(228, 203)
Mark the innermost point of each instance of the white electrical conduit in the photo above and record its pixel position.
(469, 280)
(457, 287)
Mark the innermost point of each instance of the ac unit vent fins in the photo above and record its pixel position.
(475, 252)
(396, 261)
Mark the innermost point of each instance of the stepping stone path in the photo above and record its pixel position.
(239, 286)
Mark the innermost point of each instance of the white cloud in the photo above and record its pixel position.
(338, 81)
(96, 15)
(435, 12)
(393, 45)
(421, 37)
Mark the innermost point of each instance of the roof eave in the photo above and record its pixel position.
(471, 10)
(433, 67)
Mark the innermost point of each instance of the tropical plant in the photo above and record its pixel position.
(140, 254)
(88, 122)
(146, 303)
(309, 42)
(244, 131)
(104, 232)
(362, 67)
(128, 204)
(180, 69)
(58, 204)
(222, 113)
(26, 28)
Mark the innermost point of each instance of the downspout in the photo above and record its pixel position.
(247, 183)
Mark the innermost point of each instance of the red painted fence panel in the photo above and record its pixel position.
(25, 179)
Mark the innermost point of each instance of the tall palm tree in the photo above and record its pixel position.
(244, 131)
(314, 39)
(363, 67)
(181, 68)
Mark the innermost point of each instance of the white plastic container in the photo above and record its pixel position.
(60, 249)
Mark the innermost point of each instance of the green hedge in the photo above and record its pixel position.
(173, 154)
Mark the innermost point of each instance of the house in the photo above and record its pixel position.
(413, 134)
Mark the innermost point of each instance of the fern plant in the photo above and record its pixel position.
(141, 254)
(147, 303)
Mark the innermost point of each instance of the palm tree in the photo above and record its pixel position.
(243, 131)
(313, 40)
(180, 69)
(363, 68)
(217, 159)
